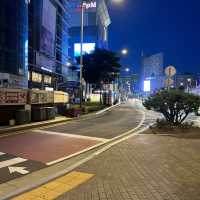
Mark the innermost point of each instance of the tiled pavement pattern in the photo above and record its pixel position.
(145, 167)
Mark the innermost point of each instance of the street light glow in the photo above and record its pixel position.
(124, 51)
(117, 1)
(127, 69)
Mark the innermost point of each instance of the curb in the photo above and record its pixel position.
(36, 125)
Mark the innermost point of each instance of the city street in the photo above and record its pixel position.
(35, 149)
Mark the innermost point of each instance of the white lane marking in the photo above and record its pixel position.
(106, 109)
(72, 155)
(1, 153)
(113, 139)
(71, 135)
(20, 170)
(10, 162)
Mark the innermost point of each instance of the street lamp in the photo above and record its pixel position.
(118, 1)
(81, 53)
(127, 69)
(124, 51)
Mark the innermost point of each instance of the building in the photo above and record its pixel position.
(34, 43)
(187, 81)
(96, 23)
(48, 43)
(152, 73)
(13, 44)
(129, 83)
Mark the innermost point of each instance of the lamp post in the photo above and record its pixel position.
(81, 53)
(124, 52)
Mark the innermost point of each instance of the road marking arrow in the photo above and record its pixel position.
(20, 170)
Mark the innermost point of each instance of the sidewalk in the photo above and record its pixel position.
(144, 167)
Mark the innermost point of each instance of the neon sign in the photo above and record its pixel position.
(89, 5)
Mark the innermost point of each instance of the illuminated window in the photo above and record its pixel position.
(47, 79)
(36, 77)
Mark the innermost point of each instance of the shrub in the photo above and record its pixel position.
(174, 104)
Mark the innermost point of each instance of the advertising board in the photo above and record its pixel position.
(40, 97)
(13, 97)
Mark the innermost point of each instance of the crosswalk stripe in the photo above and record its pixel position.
(10, 162)
(1, 153)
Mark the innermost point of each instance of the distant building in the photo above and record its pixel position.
(129, 83)
(152, 73)
(188, 81)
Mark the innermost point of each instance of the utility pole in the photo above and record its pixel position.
(81, 53)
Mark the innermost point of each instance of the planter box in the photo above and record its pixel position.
(74, 112)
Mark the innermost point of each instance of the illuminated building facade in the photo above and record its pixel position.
(13, 44)
(152, 73)
(48, 43)
(96, 23)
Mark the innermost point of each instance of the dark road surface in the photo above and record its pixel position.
(108, 125)
(35, 149)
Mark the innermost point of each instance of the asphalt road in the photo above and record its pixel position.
(108, 125)
(33, 150)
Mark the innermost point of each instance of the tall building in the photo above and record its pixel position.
(48, 43)
(13, 43)
(152, 72)
(96, 23)
(33, 43)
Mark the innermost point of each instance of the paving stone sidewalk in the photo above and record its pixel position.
(145, 167)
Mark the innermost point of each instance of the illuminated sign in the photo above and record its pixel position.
(89, 5)
(87, 48)
(147, 86)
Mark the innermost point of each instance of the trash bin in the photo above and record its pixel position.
(50, 113)
(38, 114)
(22, 116)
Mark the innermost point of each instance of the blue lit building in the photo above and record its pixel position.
(48, 43)
(152, 73)
(13, 44)
(96, 23)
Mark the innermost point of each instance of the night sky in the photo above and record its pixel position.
(152, 26)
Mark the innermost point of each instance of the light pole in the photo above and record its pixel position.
(81, 53)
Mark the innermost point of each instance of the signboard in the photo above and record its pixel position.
(89, 5)
(147, 86)
(169, 82)
(170, 71)
(87, 48)
(13, 97)
(61, 97)
(40, 97)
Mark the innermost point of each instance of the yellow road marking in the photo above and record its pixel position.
(56, 188)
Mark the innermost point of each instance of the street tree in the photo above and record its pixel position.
(101, 66)
(174, 104)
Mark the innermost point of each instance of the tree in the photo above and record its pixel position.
(174, 104)
(100, 66)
